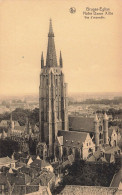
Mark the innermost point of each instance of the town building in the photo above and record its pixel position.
(7, 162)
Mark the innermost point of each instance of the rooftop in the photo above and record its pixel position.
(81, 123)
(90, 190)
(117, 179)
(73, 138)
(6, 160)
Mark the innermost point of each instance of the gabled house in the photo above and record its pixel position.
(41, 164)
(79, 144)
(46, 178)
(113, 138)
(7, 162)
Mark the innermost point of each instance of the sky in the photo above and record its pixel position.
(91, 48)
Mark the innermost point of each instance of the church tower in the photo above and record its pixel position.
(105, 128)
(53, 103)
(96, 125)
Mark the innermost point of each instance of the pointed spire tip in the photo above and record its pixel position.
(51, 29)
(42, 55)
(60, 54)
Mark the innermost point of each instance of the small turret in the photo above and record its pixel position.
(60, 60)
(42, 61)
(28, 126)
(96, 126)
(11, 122)
(11, 118)
(29, 129)
(105, 128)
(105, 116)
(96, 118)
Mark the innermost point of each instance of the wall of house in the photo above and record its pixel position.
(88, 148)
(113, 141)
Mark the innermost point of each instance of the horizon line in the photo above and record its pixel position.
(69, 93)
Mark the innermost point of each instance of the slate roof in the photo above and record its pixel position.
(111, 150)
(19, 128)
(18, 179)
(117, 179)
(28, 170)
(44, 178)
(81, 123)
(109, 158)
(39, 163)
(73, 138)
(6, 160)
(84, 190)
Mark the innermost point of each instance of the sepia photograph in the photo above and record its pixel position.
(60, 97)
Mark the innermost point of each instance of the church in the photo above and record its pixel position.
(53, 100)
(53, 108)
(56, 140)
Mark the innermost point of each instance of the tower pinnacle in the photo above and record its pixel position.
(50, 29)
(105, 116)
(60, 60)
(42, 61)
(51, 60)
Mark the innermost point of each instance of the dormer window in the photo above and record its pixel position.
(72, 141)
(66, 140)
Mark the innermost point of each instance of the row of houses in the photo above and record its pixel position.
(27, 171)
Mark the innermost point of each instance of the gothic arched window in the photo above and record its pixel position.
(64, 152)
(100, 128)
(77, 154)
(70, 151)
(56, 82)
(100, 136)
(47, 81)
(57, 151)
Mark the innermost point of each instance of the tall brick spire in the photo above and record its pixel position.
(53, 100)
(51, 60)
(60, 60)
